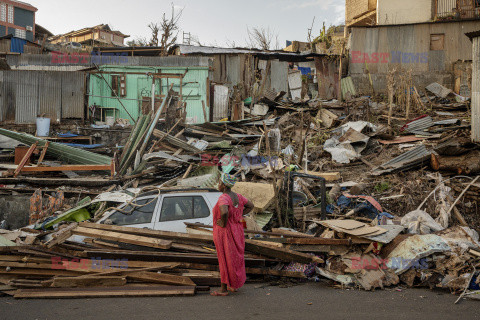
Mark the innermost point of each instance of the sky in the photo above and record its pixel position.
(213, 22)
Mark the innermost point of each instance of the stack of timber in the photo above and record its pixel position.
(114, 261)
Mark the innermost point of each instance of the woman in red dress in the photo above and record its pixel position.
(229, 237)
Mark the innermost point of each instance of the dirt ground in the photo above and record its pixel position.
(256, 301)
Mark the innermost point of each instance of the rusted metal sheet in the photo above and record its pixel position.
(73, 90)
(27, 94)
(49, 94)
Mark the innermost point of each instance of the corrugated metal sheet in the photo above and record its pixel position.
(26, 107)
(50, 94)
(16, 44)
(73, 91)
(220, 107)
(26, 94)
(42, 60)
(408, 160)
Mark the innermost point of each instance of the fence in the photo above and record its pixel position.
(26, 94)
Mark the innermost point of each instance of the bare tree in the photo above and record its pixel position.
(262, 38)
(169, 28)
(155, 29)
(138, 42)
(165, 33)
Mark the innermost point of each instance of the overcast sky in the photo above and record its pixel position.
(214, 22)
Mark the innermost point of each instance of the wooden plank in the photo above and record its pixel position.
(69, 168)
(80, 282)
(329, 176)
(319, 241)
(160, 278)
(27, 156)
(123, 238)
(276, 273)
(137, 291)
(44, 152)
(61, 235)
(280, 253)
(169, 235)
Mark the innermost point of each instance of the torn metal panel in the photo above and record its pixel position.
(419, 126)
(414, 248)
(392, 232)
(438, 90)
(175, 141)
(60, 151)
(162, 155)
(409, 160)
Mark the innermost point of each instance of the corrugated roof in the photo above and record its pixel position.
(189, 49)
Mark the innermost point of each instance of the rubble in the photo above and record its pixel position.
(369, 192)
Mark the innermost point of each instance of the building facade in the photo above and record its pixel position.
(424, 37)
(17, 19)
(101, 35)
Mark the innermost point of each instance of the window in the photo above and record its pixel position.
(437, 42)
(183, 208)
(139, 215)
(10, 14)
(20, 34)
(3, 12)
(119, 84)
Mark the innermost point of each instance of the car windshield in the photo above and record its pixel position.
(141, 212)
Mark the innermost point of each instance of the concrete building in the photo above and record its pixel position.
(424, 36)
(17, 18)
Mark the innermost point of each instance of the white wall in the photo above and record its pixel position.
(403, 12)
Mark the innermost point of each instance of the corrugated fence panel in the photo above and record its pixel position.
(73, 90)
(27, 94)
(50, 95)
(26, 110)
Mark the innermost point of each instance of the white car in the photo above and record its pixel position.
(166, 211)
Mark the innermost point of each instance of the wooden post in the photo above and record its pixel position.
(25, 159)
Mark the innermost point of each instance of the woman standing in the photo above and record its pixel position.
(228, 235)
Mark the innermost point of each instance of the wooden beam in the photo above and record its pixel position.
(68, 168)
(134, 291)
(280, 253)
(44, 152)
(76, 282)
(160, 278)
(27, 156)
(123, 238)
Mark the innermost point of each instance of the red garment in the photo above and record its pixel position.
(230, 242)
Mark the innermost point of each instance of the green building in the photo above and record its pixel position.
(132, 85)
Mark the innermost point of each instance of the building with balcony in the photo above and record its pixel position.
(97, 36)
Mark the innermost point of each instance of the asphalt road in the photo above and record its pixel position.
(308, 301)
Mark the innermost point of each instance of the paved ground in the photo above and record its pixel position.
(309, 301)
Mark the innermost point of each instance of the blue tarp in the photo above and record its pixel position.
(17, 44)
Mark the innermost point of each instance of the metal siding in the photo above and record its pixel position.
(73, 94)
(43, 60)
(279, 76)
(26, 110)
(49, 94)
(220, 106)
(17, 44)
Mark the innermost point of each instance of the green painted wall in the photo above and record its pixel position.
(138, 85)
